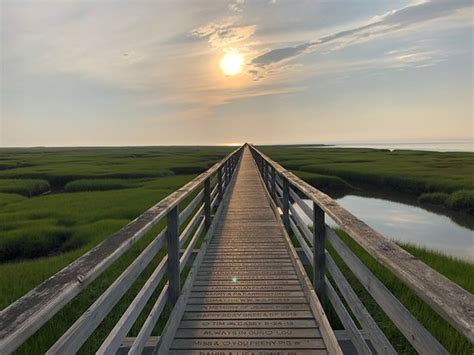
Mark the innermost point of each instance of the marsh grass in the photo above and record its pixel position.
(25, 187)
(100, 184)
(432, 177)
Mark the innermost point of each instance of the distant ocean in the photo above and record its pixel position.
(441, 146)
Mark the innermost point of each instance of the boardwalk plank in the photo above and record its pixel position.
(246, 344)
(249, 333)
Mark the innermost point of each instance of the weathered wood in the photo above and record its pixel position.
(303, 243)
(190, 227)
(249, 333)
(207, 202)
(301, 204)
(246, 344)
(250, 352)
(184, 258)
(246, 307)
(349, 325)
(147, 348)
(248, 315)
(245, 294)
(246, 324)
(373, 332)
(448, 299)
(77, 334)
(22, 318)
(279, 275)
(286, 204)
(173, 256)
(416, 334)
(189, 209)
(122, 327)
(273, 182)
(246, 300)
(319, 255)
(307, 234)
(237, 281)
(220, 187)
(150, 322)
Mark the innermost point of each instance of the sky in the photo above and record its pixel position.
(148, 72)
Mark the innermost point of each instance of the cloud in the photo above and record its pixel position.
(225, 32)
(414, 57)
(389, 22)
(237, 5)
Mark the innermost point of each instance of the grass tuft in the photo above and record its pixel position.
(25, 187)
(99, 185)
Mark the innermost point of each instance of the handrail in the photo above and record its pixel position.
(449, 300)
(24, 317)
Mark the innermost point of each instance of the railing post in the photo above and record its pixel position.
(319, 257)
(207, 202)
(173, 256)
(273, 182)
(286, 203)
(220, 190)
(227, 168)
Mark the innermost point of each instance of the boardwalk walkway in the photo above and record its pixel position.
(247, 294)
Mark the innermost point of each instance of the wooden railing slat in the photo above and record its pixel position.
(353, 332)
(184, 258)
(123, 326)
(189, 209)
(373, 332)
(301, 204)
(147, 328)
(415, 333)
(190, 226)
(77, 334)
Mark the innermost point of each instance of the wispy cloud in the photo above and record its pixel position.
(237, 5)
(389, 22)
(224, 32)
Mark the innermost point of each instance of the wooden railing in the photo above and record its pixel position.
(23, 318)
(449, 300)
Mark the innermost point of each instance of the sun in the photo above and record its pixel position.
(231, 63)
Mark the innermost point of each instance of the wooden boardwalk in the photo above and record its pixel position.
(247, 294)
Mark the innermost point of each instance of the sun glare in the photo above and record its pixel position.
(231, 63)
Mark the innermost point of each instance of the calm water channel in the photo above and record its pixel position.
(399, 221)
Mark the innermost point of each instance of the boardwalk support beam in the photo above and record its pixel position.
(173, 256)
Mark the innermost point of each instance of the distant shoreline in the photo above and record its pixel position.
(441, 146)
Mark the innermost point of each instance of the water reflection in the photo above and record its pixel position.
(402, 222)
